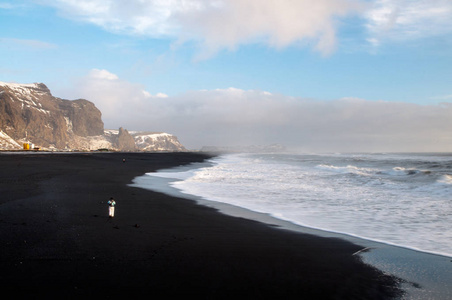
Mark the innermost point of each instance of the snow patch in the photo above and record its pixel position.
(92, 142)
(68, 124)
(26, 95)
(110, 132)
(6, 142)
(142, 139)
(18, 85)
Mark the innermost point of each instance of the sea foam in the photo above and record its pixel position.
(397, 199)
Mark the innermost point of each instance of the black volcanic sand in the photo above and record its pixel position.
(57, 240)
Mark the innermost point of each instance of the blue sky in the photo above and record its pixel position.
(203, 66)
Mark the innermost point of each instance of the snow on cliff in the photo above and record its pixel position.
(144, 141)
(157, 141)
(19, 85)
(7, 143)
(27, 94)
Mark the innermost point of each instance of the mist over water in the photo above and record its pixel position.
(401, 199)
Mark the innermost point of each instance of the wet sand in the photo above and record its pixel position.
(57, 239)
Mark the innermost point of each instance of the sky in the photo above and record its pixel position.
(313, 75)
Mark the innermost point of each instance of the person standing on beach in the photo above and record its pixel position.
(111, 207)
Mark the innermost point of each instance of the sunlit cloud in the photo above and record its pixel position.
(220, 24)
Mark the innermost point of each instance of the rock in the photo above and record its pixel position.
(125, 141)
(85, 118)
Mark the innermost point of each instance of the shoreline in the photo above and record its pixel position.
(163, 185)
(58, 240)
(419, 265)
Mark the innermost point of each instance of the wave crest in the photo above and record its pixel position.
(446, 179)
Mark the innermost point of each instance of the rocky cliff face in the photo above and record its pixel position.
(83, 117)
(29, 113)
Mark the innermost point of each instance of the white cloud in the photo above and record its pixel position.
(26, 44)
(102, 74)
(146, 94)
(401, 20)
(242, 117)
(158, 95)
(116, 98)
(277, 23)
(218, 24)
(161, 95)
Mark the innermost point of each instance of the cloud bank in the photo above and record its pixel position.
(232, 117)
(220, 24)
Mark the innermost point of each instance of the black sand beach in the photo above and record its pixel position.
(57, 239)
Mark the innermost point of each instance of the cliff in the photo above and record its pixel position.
(29, 113)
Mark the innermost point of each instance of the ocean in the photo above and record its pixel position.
(398, 199)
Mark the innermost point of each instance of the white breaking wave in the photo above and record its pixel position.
(348, 169)
(446, 179)
(398, 199)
